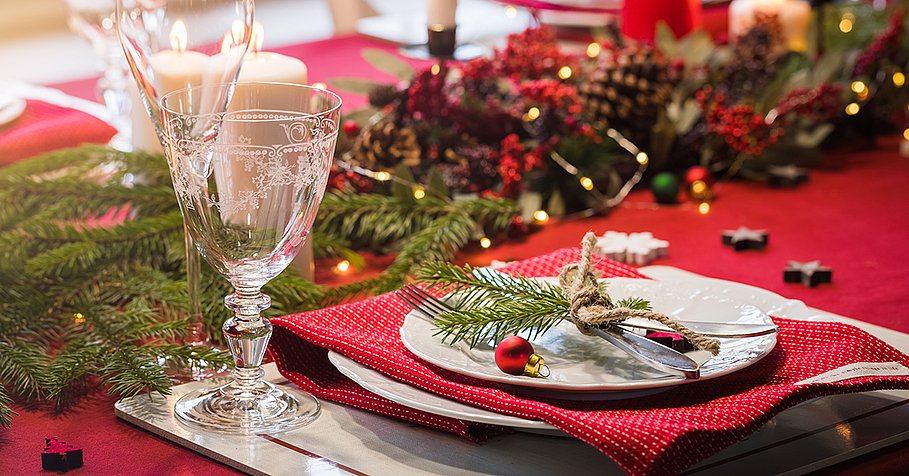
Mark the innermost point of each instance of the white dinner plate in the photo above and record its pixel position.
(418, 399)
(11, 107)
(580, 363)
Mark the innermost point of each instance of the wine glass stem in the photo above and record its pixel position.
(193, 280)
(247, 335)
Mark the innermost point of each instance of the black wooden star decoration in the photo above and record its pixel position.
(810, 274)
(60, 456)
(786, 176)
(745, 239)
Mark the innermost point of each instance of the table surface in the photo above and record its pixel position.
(852, 215)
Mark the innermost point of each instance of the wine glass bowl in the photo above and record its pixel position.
(249, 183)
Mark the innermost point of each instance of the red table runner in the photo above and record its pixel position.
(44, 127)
(664, 433)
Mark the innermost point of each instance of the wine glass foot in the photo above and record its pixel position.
(265, 409)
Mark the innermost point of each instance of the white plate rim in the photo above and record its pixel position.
(393, 390)
(11, 107)
(412, 319)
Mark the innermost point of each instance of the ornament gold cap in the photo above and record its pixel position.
(535, 367)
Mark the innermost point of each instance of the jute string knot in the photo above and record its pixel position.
(591, 308)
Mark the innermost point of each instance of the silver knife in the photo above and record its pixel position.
(649, 352)
(710, 329)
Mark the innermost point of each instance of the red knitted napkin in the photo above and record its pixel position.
(663, 433)
(44, 127)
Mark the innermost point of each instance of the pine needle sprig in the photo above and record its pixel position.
(6, 413)
(488, 307)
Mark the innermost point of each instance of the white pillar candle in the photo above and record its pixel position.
(794, 17)
(172, 69)
(441, 12)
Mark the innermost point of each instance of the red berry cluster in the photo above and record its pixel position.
(514, 160)
(427, 97)
(532, 54)
(880, 46)
(739, 125)
(551, 93)
(817, 104)
(338, 178)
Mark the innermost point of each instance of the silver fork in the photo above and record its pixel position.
(647, 351)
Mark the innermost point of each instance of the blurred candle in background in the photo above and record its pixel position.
(441, 12)
(173, 69)
(794, 17)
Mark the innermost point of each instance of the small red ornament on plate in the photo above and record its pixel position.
(515, 356)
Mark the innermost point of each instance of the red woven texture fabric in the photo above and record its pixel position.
(44, 127)
(659, 434)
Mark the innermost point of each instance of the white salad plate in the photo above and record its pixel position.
(580, 363)
(418, 399)
(11, 107)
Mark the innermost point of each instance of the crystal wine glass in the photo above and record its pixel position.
(175, 44)
(249, 183)
(95, 21)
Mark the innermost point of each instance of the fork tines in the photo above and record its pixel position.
(422, 301)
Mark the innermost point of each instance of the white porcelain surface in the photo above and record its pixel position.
(584, 363)
(11, 107)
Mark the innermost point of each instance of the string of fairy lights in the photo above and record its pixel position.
(698, 189)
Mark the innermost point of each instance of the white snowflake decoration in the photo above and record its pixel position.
(634, 248)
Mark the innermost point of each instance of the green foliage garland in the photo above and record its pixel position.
(83, 305)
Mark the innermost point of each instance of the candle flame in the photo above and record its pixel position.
(235, 37)
(226, 43)
(178, 36)
(258, 37)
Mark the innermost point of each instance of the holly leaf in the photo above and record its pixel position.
(695, 48)
(436, 186)
(388, 63)
(813, 138)
(666, 41)
(402, 186)
(361, 116)
(353, 85)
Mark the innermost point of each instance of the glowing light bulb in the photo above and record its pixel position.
(435, 69)
(532, 114)
(540, 216)
(642, 158)
(510, 11)
(699, 187)
(593, 50)
(846, 25)
(320, 85)
(78, 318)
(852, 108)
(419, 193)
(858, 87)
(565, 72)
(485, 242)
(906, 134)
(704, 208)
(899, 79)
(382, 176)
(587, 183)
(343, 266)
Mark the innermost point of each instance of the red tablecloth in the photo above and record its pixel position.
(852, 216)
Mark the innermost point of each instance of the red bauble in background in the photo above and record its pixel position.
(698, 173)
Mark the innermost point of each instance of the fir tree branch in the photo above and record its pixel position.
(6, 413)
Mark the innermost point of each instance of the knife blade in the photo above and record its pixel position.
(710, 329)
(649, 352)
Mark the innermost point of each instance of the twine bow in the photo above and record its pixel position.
(591, 308)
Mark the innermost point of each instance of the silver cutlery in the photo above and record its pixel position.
(649, 352)
(709, 329)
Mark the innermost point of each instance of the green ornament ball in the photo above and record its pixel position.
(665, 188)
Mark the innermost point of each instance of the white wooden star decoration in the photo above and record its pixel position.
(632, 248)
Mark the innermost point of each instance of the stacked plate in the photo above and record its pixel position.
(584, 367)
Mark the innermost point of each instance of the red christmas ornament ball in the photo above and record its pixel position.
(351, 128)
(512, 355)
(698, 173)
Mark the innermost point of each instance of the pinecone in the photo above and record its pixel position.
(627, 89)
(757, 54)
(383, 95)
(385, 145)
